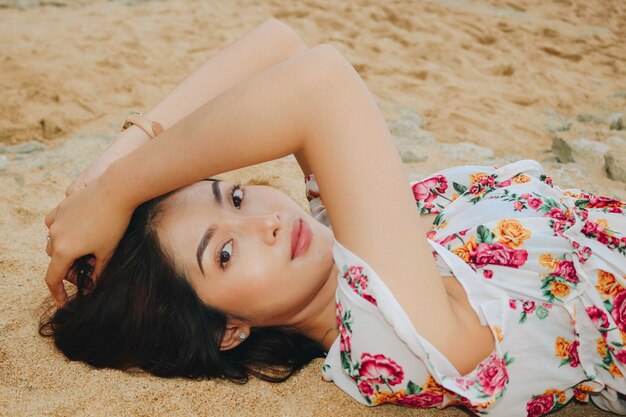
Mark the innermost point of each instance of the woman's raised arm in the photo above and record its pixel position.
(263, 47)
(314, 104)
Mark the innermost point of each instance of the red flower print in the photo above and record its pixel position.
(428, 189)
(534, 203)
(369, 298)
(474, 189)
(488, 273)
(596, 314)
(498, 254)
(528, 306)
(366, 388)
(379, 369)
(621, 355)
(566, 270)
(512, 304)
(602, 202)
(505, 183)
(492, 375)
(616, 210)
(619, 310)
(425, 399)
(573, 354)
(540, 405)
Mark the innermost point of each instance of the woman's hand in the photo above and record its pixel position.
(89, 221)
(126, 142)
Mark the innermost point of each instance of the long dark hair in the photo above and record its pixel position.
(143, 313)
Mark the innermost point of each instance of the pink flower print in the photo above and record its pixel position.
(431, 234)
(488, 273)
(498, 254)
(592, 228)
(366, 388)
(488, 181)
(616, 210)
(573, 354)
(525, 196)
(518, 206)
(619, 310)
(492, 375)
(535, 203)
(540, 405)
(447, 240)
(379, 369)
(512, 304)
(557, 214)
(463, 383)
(602, 202)
(598, 315)
(528, 306)
(425, 399)
(566, 270)
(474, 189)
(428, 189)
(504, 183)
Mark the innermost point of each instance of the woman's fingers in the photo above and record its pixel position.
(57, 270)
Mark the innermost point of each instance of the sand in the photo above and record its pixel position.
(459, 82)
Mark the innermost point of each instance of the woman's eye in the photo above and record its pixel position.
(237, 195)
(225, 253)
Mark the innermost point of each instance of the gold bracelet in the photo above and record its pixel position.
(152, 128)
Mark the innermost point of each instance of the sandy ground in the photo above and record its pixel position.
(460, 82)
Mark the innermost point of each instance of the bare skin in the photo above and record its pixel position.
(337, 122)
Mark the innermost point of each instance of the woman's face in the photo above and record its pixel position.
(250, 234)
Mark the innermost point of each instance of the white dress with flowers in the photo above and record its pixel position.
(544, 268)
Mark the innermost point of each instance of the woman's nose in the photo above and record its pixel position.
(267, 225)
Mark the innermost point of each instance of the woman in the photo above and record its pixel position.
(205, 278)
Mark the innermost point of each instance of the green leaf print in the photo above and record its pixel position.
(484, 235)
(542, 313)
(413, 388)
(608, 305)
(459, 188)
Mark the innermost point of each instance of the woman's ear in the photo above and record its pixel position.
(236, 332)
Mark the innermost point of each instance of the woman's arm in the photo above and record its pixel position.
(314, 103)
(263, 47)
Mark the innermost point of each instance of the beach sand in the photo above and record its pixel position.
(459, 82)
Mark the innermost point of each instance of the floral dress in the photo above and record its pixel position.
(544, 268)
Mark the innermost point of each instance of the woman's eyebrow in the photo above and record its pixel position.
(206, 237)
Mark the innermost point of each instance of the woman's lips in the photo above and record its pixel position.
(300, 238)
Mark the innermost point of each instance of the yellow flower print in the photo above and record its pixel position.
(546, 260)
(553, 391)
(381, 397)
(584, 387)
(464, 251)
(623, 337)
(603, 222)
(511, 233)
(607, 284)
(521, 179)
(443, 225)
(474, 178)
(561, 347)
(454, 197)
(559, 289)
(614, 370)
(581, 395)
(433, 386)
(498, 331)
(574, 195)
(601, 346)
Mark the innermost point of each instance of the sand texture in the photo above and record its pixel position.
(459, 82)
